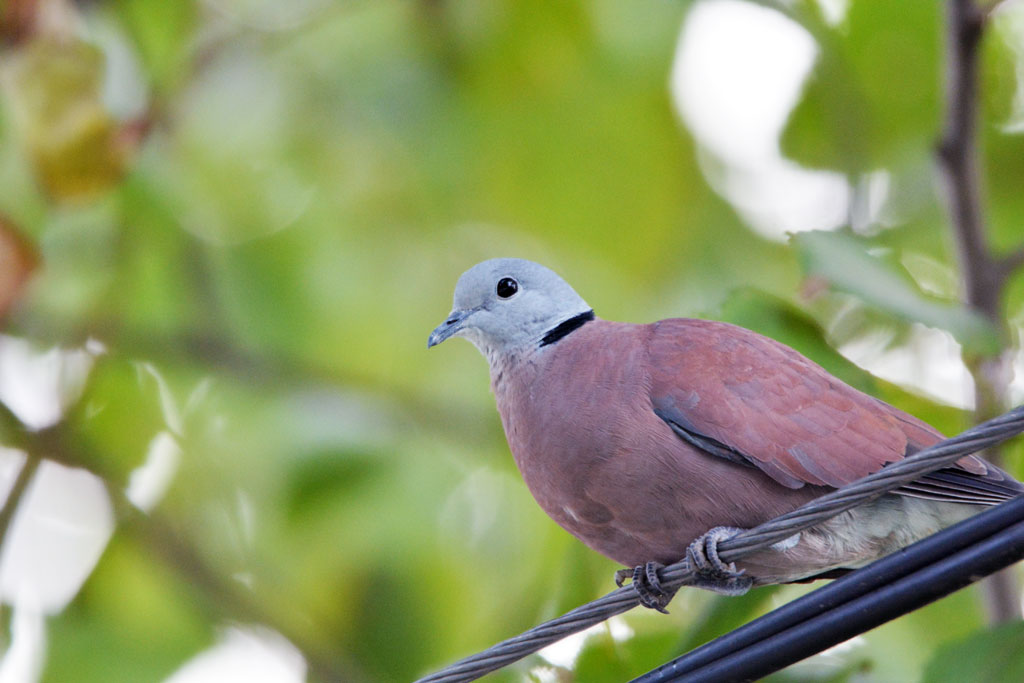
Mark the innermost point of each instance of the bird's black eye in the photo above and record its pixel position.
(506, 287)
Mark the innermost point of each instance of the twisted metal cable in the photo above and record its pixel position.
(673, 576)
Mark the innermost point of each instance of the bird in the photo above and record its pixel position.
(654, 442)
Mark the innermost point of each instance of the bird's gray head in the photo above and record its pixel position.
(507, 304)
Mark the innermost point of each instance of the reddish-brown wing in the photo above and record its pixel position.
(743, 396)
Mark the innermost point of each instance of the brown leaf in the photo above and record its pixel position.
(17, 261)
(73, 140)
(18, 20)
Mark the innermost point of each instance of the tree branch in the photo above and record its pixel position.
(984, 275)
(1011, 262)
(21, 482)
(959, 158)
(10, 506)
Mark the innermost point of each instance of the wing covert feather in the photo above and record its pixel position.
(770, 406)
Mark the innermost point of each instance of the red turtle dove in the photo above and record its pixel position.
(638, 439)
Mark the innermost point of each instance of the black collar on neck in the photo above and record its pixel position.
(566, 326)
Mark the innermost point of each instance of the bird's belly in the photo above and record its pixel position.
(854, 538)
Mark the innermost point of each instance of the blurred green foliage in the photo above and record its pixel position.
(269, 203)
(989, 657)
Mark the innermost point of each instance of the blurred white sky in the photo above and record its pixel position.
(245, 655)
(738, 71)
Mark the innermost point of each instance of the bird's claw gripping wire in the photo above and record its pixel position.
(710, 572)
(647, 584)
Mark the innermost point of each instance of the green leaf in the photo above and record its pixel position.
(873, 97)
(73, 140)
(844, 262)
(333, 474)
(991, 656)
(162, 32)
